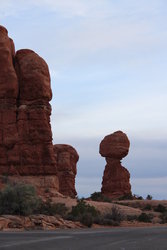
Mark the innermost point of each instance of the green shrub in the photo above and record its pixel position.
(160, 208)
(147, 207)
(98, 196)
(143, 217)
(137, 197)
(132, 217)
(82, 208)
(49, 208)
(115, 214)
(163, 217)
(111, 219)
(88, 215)
(19, 199)
(84, 213)
(126, 197)
(87, 219)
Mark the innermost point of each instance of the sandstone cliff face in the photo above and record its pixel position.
(34, 110)
(115, 182)
(66, 158)
(8, 102)
(26, 149)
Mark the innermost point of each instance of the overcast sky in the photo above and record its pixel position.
(108, 65)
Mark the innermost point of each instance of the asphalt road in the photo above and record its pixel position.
(99, 239)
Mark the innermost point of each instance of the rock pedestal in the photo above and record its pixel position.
(115, 182)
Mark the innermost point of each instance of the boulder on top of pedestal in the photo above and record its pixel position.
(115, 145)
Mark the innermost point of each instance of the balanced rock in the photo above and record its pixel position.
(115, 145)
(66, 159)
(115, 182)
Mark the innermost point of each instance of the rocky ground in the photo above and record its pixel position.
(127, 208)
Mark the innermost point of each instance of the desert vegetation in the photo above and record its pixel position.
(22, 200)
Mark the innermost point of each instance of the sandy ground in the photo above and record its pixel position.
(126, 207)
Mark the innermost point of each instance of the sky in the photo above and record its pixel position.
(108, 66)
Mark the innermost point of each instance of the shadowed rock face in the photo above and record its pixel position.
(116, 178)
(26, 149)
(66, 158)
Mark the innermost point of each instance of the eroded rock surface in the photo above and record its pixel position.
(26, 149)
(35, 222)
(116, 177)
(66, 158)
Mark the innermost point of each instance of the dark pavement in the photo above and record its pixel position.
(85, 239)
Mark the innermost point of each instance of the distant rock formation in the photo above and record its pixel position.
(115, 182)
(26, 149)
(66, 158)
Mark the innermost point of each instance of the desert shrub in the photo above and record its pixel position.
(87, 219)
(116, 215)
(148, 207)
(132, 217)
(113, 218)
(98, 196)
(88, 215)
(49, 208)
(163, 217)
(137, 197)
(18, 199)
(143, 217)
(21, 199)
(82, 208)
(149, 197)
(160, 208)
(83, 212)
(126, 197)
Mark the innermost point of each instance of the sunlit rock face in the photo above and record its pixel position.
(115, 182)
(26, 149)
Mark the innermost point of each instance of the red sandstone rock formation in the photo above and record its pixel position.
(8, 104)
(116, 178)
(33, 118)
(66, 158)
(26, 149)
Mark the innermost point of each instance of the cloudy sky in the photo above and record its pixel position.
(108, 65)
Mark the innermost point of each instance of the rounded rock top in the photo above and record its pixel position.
(115, 145)
(3, 30)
